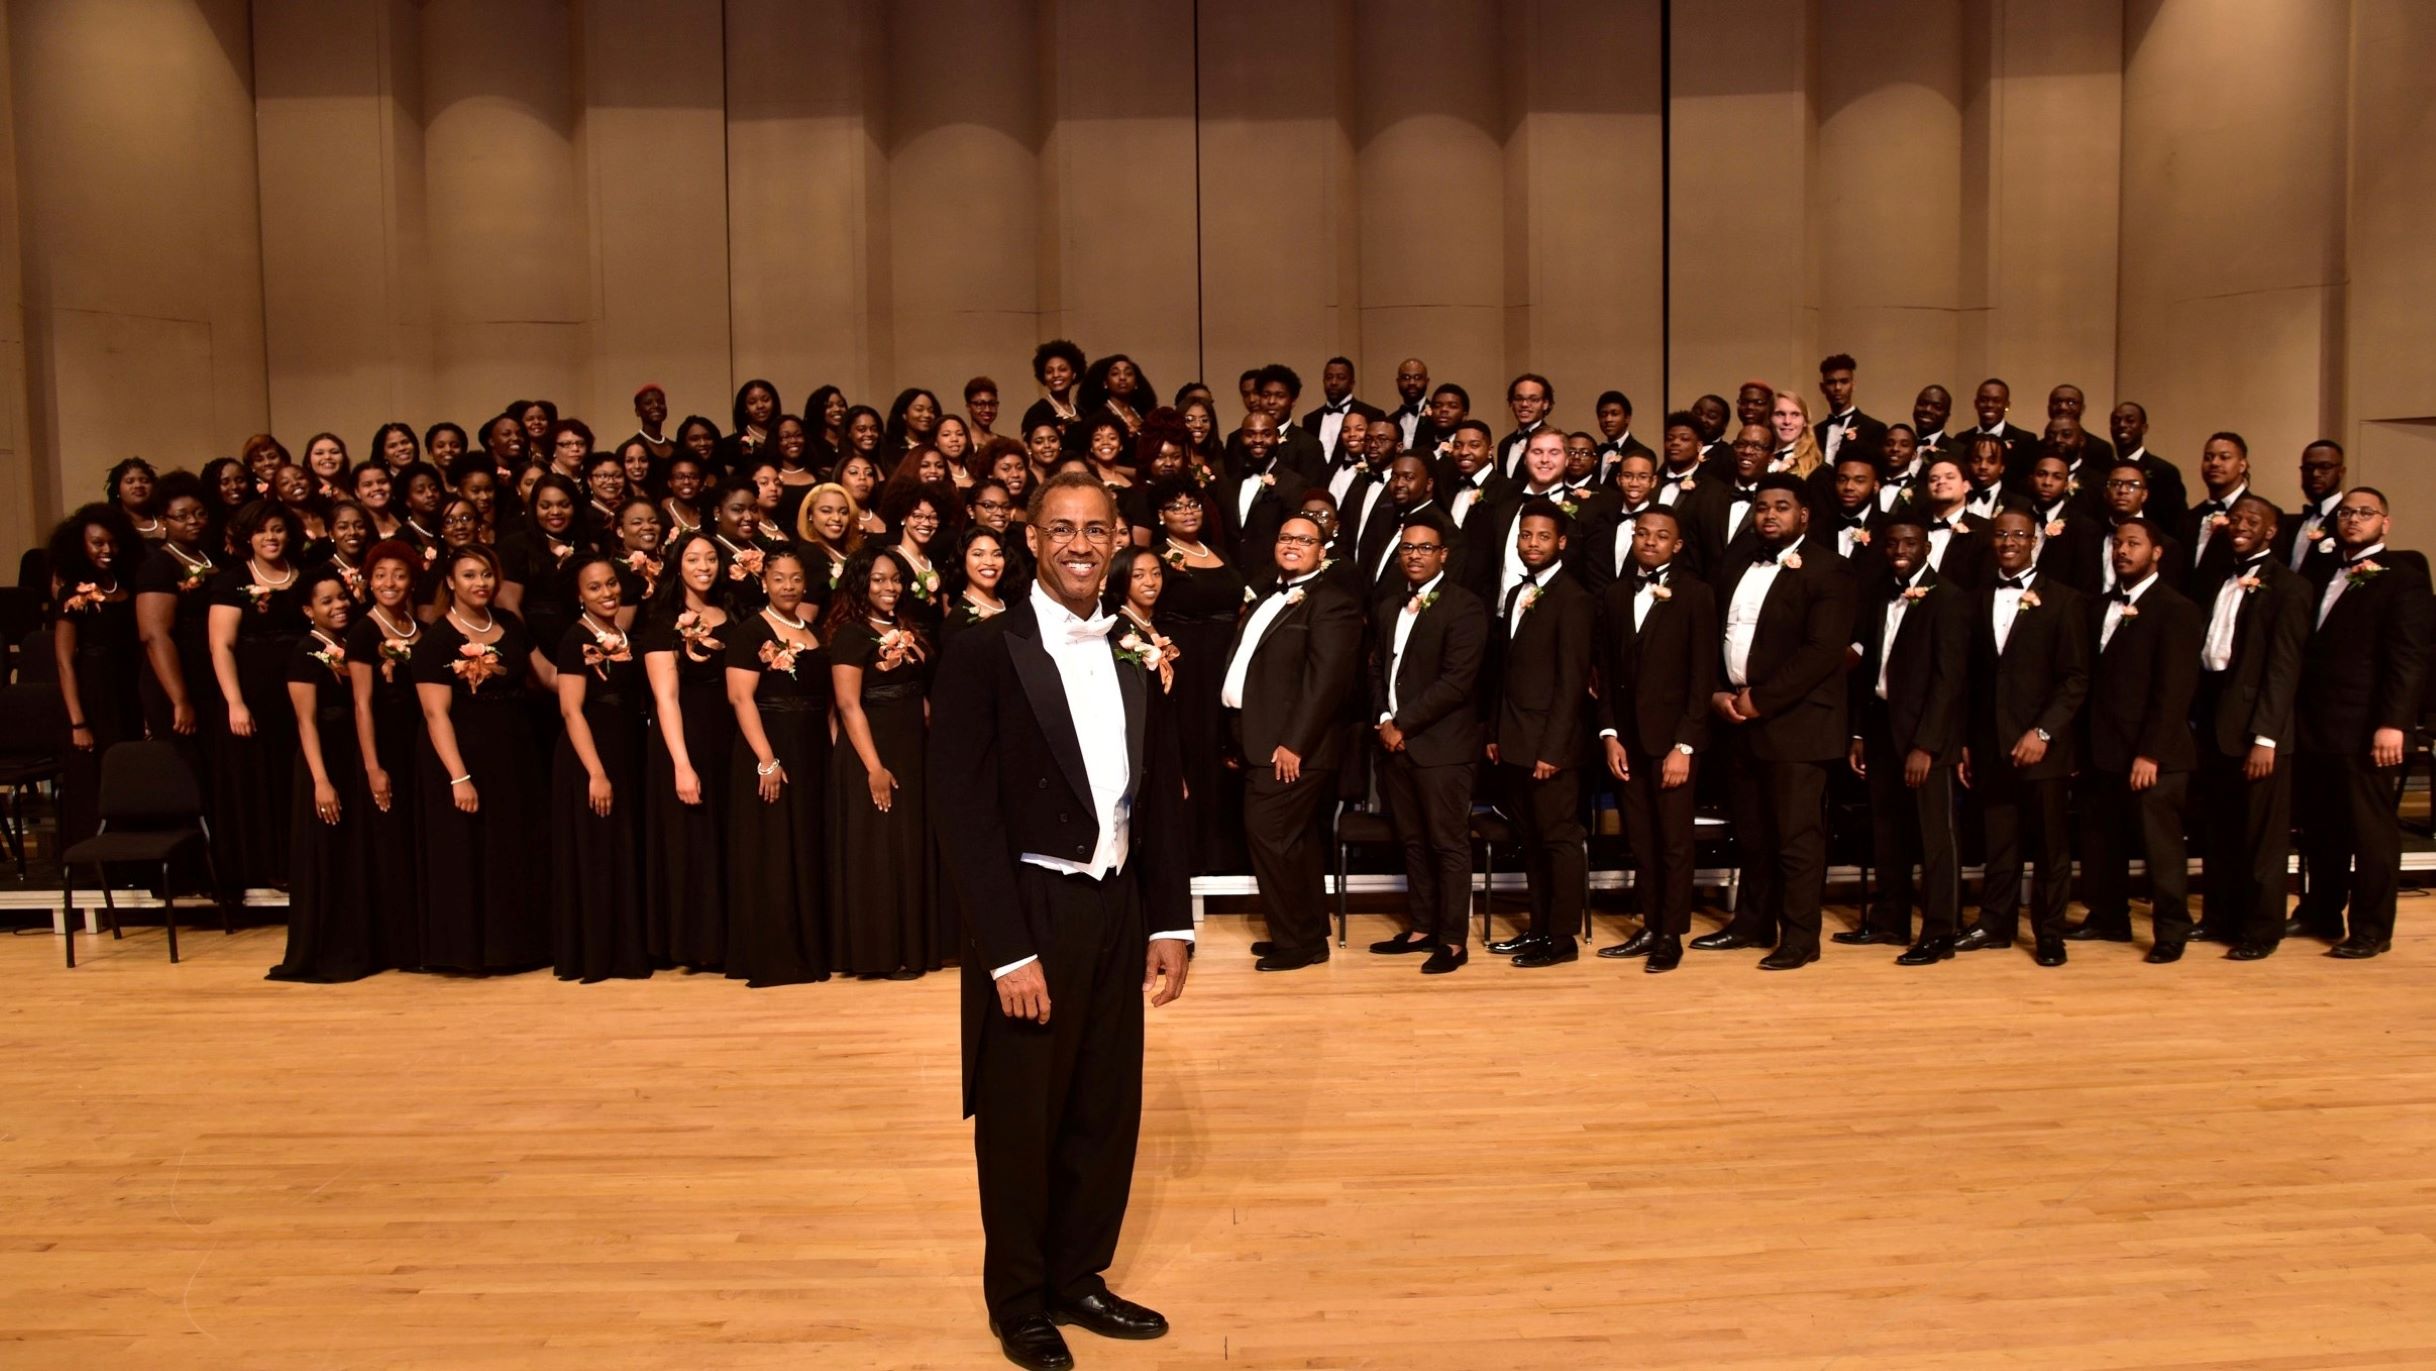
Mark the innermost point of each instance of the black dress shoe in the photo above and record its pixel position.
(2303, 926)
(1290, 961)
(2202, 933)
(1112, 1316)
(1033, 1341)
(1723, 940)
(1638, 945)
(2163, 953)
(1665, 955)
(1788, 959)
(2049, 953)
(1979, 940)
(2088, 932)
(1507, 947)
(1442, 961)
(2250, 952)
(1397, 947)
(1927, 952)
(1864, 937)
(2360, 949)
(1549, 953)
(1263, 948)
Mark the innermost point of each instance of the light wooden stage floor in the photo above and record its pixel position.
(1979, 1164)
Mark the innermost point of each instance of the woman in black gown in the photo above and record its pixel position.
(179, 691)
(332, 933)
(921, 524)
(98, 652)
(981, 565)
(535, 560)
(257, 616)
(596, 791)
(883, 915)
(486, 906)
(637, 550)
(734, 519)
(1197, 610)
(1058, 366)
(778, 682)
(389, 731)
(683, 640)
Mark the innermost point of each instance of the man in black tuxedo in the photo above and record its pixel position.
(1615, 436)
(1412, 396)
(2307, 540)
(2363, 677)
(1269, 489)
(2089, 562)
(1409, 493)
(1062, 810)
(1718, 513)
(1931, 408)
(1845, 424)
(2068, 412)
(1715, 417)
(1857, 520)
(1679, 463)
(1287, 679)
(1296, 447)
(1992, 402)
(1787, 614)
(2055, 512)
(1495, 530)
(1449, 405)
(2249, 677)
(1539, 707)
(1658, 650)
(1370, 441)
(1336, 398)
(2168, 496)
(1913, 632)
(1476, 495)
(1899, 468)
(2224, 472)
(2139, 749)
(1755, 403)
(1601, 552)
(2085, 459)
(2030, 638)
(1422, 678)
(1529, 397)
(1958, 540)
(1985, 465)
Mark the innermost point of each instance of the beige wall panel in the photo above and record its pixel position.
(802, 260)
(507, 209)
(1743, 151)
(1118, 234)
(2233, 138)
(142, 249)
(24, 481)
(1276, 175)
(655, 164)
(1429, 133)
(2390, 327)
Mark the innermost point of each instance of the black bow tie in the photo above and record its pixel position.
(2119, 595)
(1739, 494)
(1649, 578)
(2210, 507)
(1856, 521)
(2012, 582)
(1935, 524)
(1768, 558)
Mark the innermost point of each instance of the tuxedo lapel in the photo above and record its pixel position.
(1047, 692)
(1134, 682)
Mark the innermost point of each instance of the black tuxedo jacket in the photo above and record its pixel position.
(1510, 451)
(1310, 423)
(1295, 691)
(2021, 449)
(1597, 537)
(2072, 554)
(1486, 526)
(1254, 538)
(2365, 667)
(1970, 559)
(2200, 577)
(2260, 685)
(2169, 499)
(2090, 554)
(1007, 777)
(1297, 448)
(1612, 455)
(1705, 514)
(2040, 680)
(2140, 684)
(1437, 675)
(1797, 655)
(1927, 672)
(1540, 696)
(1655, 681)
(1869, 435)
(1867, 560)
(2322, 552)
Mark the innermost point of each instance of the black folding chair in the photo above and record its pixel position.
(33, 721)
(151, 812)
(1356, 828)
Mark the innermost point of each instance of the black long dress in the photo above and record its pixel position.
(883, 911)
(392, 848)
(486, 901)
(684, 902)
(251, 776)
(597, 861)
(776, 863)
(109, 661)
(165, 573)
(333, 927)
(1197, 611)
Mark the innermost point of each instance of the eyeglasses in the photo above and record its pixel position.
(2014, 535)
(1297, 540)
(1063, 532)
(1419, 549)
(2126, 485)
(2359, 512)
(994, 506)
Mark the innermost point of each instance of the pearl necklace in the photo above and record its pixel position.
(199, 561)
(413, 629)
(606, 634)
(490, 621)
(265, 581)
(777, 618)
(1190, 549)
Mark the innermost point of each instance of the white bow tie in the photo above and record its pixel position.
(1079, 631)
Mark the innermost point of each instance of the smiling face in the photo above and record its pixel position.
(2066, 402)
(1753, 404)
(734, 513)
(699, 566)
(607, 483)
(460, 524)
(391, 582)
(1538, 540)
(1905, 546)
(922, 525)
(685, 481)
(349, 531)
(470, 583)
(1058, 375)
(100, 548)
(1072, 538)
(984, 562)
(1787, 420)
(1990, 402)
(2016, 541)
(1471, 449)
(1529, 401)
(1544, 459)
(447, 445)
(1298, 547)
(1945, 484)
(638, 527)
(1636, 477)
(863, 434)
(1143, 582)
(553, 510)
(760, 406)
(327, 609)
(1777, 517)
(831, 517)
(2250, 525)
(651, 406)
(782, 576)
(886, 587)
(598, 590)
(1752, 450)
(291, 485)
(372, 488)
(397, 448)
(326, 458)
(270, 541)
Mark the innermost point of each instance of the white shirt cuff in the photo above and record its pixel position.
(1001, 973)
(1182, 935)
(2267, 743)
(1607, 733)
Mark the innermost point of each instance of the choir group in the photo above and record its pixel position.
(487, 702)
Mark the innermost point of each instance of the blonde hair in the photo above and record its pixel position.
(1806, 455)
(854, 519)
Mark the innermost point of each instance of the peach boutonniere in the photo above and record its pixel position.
(1791, 561)
(2030, 600)
(2054, 529)
(748, 563)
(897, 646)
(2131, 611)
(196, 576)
(559, 550)
(1960, 526)
(1294, 596)
(333, 656)
(604, 649)
(2219, 520)
(1530, 597)
(395, 652)
(778, 656)
(2249, 584)
(1414, 604)
(1268, 478)
(1659, 591)
(1686, 483)
(257, 596)
(86, 598)
(1915, 594)
(694, 632)
(1860, 537)
(1157, 654)
(477, 663)
(2363, 571)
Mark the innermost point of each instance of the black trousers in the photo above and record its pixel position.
(2245, 844)
(2352, 841)
(2113, 818)
(1057, 1107)
(2023, 818)
(1658, 825)
(1910, 826)
(1780, 824)
(1547, 818)
(1431, 807)
(1289, 857)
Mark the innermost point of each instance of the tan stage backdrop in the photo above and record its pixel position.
(324, 214)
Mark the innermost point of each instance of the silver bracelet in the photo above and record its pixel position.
(766, 768)
(460, 780)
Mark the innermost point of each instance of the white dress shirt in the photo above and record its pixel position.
(2216, 650)
(2207, 522)
(2115, 608)
(1737, 511)
(1087, 668)
(1332, 422)
(1341, 479)
(2007, 607)
(2317, 521)
(1257, 627)
(1742, 613)
(1514, 612)
(1897, 483)
(1891, 625)
(1645, 597)
(1468, 495)
(1837, 426)
(2336, 582)
(1387, 557)
(1510, 568)
(1249, 490)
(1408, 421)
(1624, 542)
(1406, 617)
(1670, 483)
(1939, 537)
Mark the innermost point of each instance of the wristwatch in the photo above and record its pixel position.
(2042, 735)
(1684, 748)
